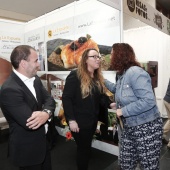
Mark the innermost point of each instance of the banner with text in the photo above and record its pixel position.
(67, 39)
(36, 40)
(139, 9)
(8, 41)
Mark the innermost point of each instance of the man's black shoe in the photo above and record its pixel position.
(164, 141)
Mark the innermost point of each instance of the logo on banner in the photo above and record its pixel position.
(34, 38)
(158, 21)
(131, 5)
(137, 6)
(49, 34)
(168, 26)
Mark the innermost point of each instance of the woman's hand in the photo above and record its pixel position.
(73, 126)
(119, 112)
(113, 106)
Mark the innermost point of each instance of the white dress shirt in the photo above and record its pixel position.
(29, 82)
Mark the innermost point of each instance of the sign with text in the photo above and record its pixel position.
(68, 39)
(36, 40)
(8, 41)
(139, 9)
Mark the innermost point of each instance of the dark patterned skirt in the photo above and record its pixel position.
(141, 144)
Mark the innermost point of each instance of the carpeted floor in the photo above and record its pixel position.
(63, 156)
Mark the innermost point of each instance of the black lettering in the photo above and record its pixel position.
(140, 12)
(144, 8)
(137, 10)
(137, 2)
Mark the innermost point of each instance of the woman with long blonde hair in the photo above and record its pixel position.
(83, 101)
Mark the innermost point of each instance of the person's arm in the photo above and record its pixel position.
(140, 89)
(47, 100)
(68, 99)
(68, 96)
(39, 118)
(167, 94)
(14, 105)
(110, 86)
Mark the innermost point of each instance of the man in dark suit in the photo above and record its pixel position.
(27, 106)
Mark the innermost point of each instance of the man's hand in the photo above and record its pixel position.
(37, 119)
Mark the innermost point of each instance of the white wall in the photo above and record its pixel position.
(11, 26)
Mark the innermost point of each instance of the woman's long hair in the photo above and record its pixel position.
(87, 82)
(123, 57)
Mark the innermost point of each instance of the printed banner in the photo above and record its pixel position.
(144, 12)
(68, 39)
(8, 41)
(60, 29)
(36, 40)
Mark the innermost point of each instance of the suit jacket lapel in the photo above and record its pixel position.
(37, 91)
(24, 87)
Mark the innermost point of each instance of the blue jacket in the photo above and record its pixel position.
(134, 95)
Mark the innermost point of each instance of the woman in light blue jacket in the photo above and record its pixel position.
(141, 137)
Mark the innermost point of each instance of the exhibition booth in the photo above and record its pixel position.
(93, 23)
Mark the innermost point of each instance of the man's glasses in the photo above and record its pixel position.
(95, 56)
